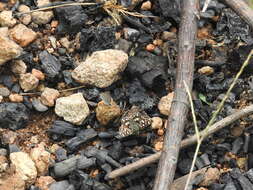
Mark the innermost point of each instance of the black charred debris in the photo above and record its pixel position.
(151, 44)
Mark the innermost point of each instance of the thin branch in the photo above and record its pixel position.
(185, 143)
(179, 108)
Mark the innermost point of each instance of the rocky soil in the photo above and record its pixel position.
(87, 89)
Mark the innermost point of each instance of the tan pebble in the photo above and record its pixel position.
(18, 67)
(48, 96)
(54, 147)
(41, 158)
(206, 70)
(65, 42)
(210, 177)
(106, 113)
(8, 49)
(25, 18)
(9, 137)
(44, 182)
(34, 139)
(160, 132)
(168, 35)
(159, 146)
(16, 98)
(165, 104)
(237, 131)
(28, 81)
(158, 42)
(38, 74)
(150, 47)
(146, 6)
(22, 35)
(157, 123)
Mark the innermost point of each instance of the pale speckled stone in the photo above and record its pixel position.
(73, 108)
(102, 68)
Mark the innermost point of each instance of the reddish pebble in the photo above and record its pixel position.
(16, 98)
(38, 74)
(150, 47)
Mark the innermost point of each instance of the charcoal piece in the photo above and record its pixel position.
(60, 154)
(131, 34)
(205, 159)
(237, 145)
(28, 103)
(82, 137)
(82, 181)
(249, 174)
(171, 9)
(107, 168)
(16, 88)
(184, 166)
(116, 150)
(148, 68)
(199, 163)
(90, 93)
(60, 185)
(13, 148)
(63, 128)
(224, 147)
(217, 186)
(139, 96)
(13, 115)
(100, 186)
(124, 45)
(50, 64)
(34, 188)
(71, 18)
(244, 182)
(65, 167)
(233, 28)
(38, 106)
(6, 80)
(135, 22)
(106, 135)
(100, 38)
(238, 56)
(101, 155)
(230, 186)
(67, 77)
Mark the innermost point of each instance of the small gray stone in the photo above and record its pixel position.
(4, 92)
(38, 106)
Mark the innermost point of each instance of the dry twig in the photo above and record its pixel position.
(179, 108)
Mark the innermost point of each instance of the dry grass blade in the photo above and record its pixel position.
(57, 6)
(219, 108)
(205, 5)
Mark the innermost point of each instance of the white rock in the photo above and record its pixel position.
(102, 68)
(24, 166)
(28, 81)
(8, 49)
(72, 108)
(6, 19)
